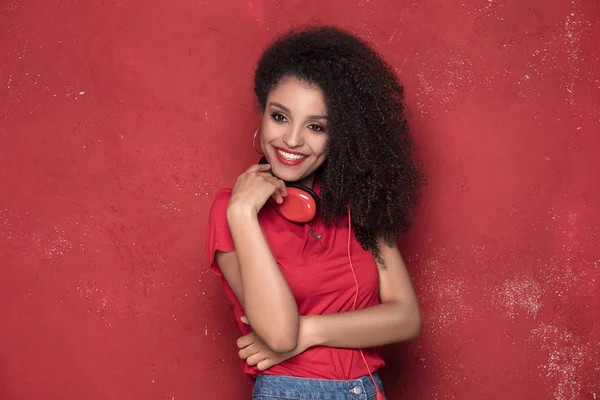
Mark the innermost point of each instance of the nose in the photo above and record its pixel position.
(294, 137)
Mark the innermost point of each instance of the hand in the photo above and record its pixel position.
(254, 187)
(256, 352)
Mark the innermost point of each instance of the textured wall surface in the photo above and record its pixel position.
(120, 119)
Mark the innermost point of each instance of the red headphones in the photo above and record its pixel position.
(300, 205)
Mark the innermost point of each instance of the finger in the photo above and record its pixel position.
(284, 191)
(255, 359)
(258, 168)
(247, 352)
(277, 197)
(264, 364)
(265, 175)
(279, 185)
(245, 341)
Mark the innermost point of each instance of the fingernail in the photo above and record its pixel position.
(244, 320)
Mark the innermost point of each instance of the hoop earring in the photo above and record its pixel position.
(254, 143)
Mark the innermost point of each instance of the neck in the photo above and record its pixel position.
(309, 181)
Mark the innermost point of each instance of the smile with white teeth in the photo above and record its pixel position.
(290, 157)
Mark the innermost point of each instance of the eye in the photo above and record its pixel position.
(316, 128)
(278, 117)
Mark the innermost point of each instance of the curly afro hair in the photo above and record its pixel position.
(370, 164)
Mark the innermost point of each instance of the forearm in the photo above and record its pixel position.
(267, 299)
(369, 327)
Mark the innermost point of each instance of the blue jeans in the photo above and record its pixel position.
(268, 387)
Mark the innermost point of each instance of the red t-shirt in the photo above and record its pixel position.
(320, 278)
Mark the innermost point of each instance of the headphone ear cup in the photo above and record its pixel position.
(301, 205)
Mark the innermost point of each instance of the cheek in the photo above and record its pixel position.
(320, 145)
(269, 130)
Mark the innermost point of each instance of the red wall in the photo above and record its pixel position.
(120, 119)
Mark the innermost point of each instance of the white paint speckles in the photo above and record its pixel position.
(447, 296)
(575, 26)
(8, 220)
(521, 295)
(58, 245)
(478, 252)
(567, 356)
(204, 189)
(172, 206)
(11, 5)
(454, 308)
(442, 78)
(96, 296)
(490, 9)
(566, 275)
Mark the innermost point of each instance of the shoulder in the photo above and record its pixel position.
(218, 236)
(223, 194)
(219, 204)
(218, 228)
(217, 215)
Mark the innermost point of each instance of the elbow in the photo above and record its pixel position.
(282, 346)
(279, 334)
(282, 342)
(409, 323)
(415, 325)
(283, 338)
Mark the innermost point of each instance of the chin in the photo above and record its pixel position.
(286, 175)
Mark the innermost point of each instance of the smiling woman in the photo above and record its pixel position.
(313, 300)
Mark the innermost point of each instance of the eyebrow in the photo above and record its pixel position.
(287, 110)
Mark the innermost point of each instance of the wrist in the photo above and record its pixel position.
(309, 329)
(237, 212)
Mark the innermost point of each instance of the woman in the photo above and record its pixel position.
(314, 300)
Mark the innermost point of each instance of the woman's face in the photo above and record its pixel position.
(294, 130)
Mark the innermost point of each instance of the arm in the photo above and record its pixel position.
(250, 270)
(255, 278)
(396, 319)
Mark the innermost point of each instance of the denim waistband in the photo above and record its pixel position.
(292, 388)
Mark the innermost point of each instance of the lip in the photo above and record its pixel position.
(291, 163)
(290, 151)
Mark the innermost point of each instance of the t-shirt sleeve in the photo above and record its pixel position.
(218, 237)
